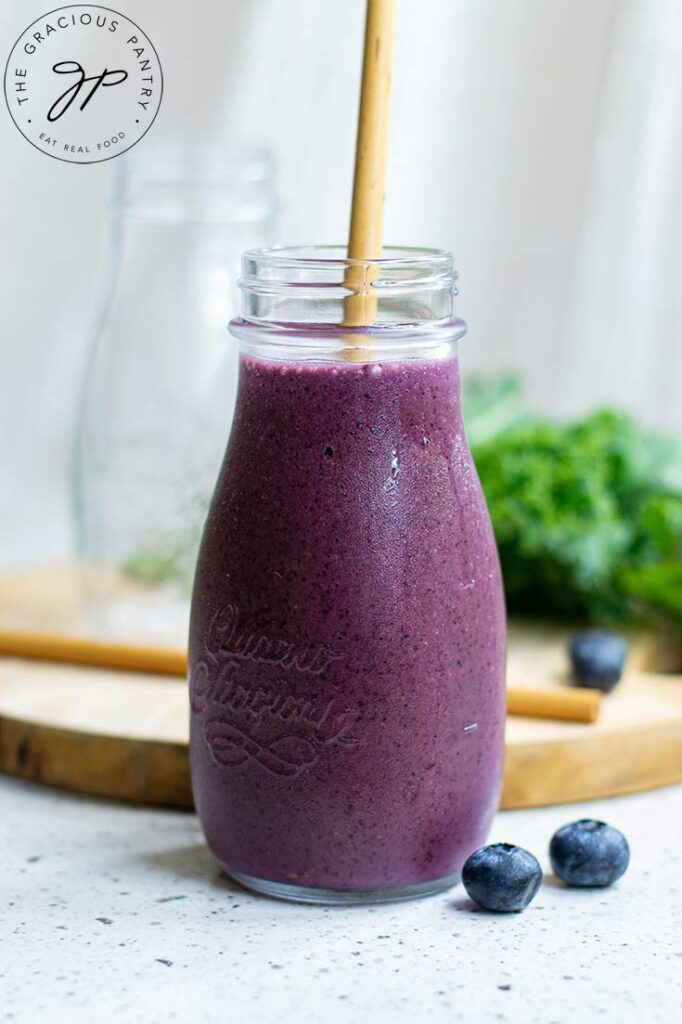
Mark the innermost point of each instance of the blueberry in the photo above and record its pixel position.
(597, 657)
(502, 877)
(589, 853)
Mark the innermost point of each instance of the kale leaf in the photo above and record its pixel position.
(583, 512)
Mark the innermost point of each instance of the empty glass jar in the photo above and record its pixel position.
(159, 393)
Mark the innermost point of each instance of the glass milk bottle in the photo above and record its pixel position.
(347, 639)
(160, 387)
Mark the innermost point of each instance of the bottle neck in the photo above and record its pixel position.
(314, 303)
(180, 185)
(374, 404)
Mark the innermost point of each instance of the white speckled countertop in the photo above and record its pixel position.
(116, 913)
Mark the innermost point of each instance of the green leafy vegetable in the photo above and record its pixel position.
(658, 589)
(587, 515)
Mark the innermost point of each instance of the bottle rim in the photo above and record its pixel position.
(273, 262)
(294, 301)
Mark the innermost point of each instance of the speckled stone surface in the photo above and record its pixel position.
(113, 913)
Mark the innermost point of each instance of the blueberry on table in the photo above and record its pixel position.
(502, 877)
(598, 657)
(589, 853)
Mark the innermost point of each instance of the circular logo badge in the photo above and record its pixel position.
(83, 83)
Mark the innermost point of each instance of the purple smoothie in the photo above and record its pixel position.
(348, 632)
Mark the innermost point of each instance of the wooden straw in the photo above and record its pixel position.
(78, 650)
(564, 702)
(371, 159)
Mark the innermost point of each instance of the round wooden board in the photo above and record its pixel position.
(124, 735)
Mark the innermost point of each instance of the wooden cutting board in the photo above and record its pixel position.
(124, 735)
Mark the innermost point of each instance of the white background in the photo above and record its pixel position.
(542, 142)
